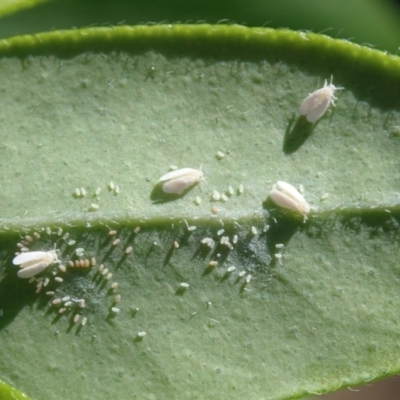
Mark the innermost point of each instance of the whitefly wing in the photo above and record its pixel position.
(179, 173)
(178, 185)
(33, 270)
(281, 199)
(30, 256)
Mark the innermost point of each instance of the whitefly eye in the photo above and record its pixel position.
(287, 196)
(176, 182)
(315, 105)
(33, 262)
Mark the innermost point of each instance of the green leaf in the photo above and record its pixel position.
(9, 393)
(84, 108)
(8, 7)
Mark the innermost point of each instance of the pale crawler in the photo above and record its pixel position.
(176, 182)
(34, 262)
(287, 196)
(314, 106)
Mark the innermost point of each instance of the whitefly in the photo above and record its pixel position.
(32, 263)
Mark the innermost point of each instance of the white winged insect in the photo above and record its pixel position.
(176, 182)
(32, 263)
(287, 196)
(314, 106)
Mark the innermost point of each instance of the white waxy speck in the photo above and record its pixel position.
(314, 106)
(77, 192)
(111, 185)
(235, 239)
(79, 251)
(220, 155)
(56, 301)
(172, 167)
(241, 189)
(278, 256)
(66, 235)
(101, 267)
(242, 273)
(105, 271)
(62, 268)
(184, 285)
(208, 241)
(254, 230)
(216, 196)
(175, 244)
(112, 232)
(87, 263)
(301, 188)
(94, 207)
(115, 310)
(224, 197)
(287, 196)
(230, 190)
(324, 196)
(129, 250)
(33, 262)
(137, 230)
(50, 293)
(68, 303)
(114, 285)
(93, 261)
(230, 269)
(117, 190)
(24, 249)
(141, 334)
(77, 264)
(39, 286)
(83, 191)
(98, 191)
(279, 245)
(213, 263)
(109, 276)
(59, 231)
(197, 200)
(176, 182)
(220, 232)
(29, 238)
(58, 279)
(20, 245)
(248, 278)
(66, 298)
(117, 298)
(71, 242)
(76, 318)
(81, 303)
(48, 230)
(37, 235)
(266, 228)
(62, 310)
(84, 320)
(116, 242)
(46, 282)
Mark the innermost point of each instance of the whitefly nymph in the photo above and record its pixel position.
(314, 106)
(32, 263)
(287, 196)
(176, 182)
